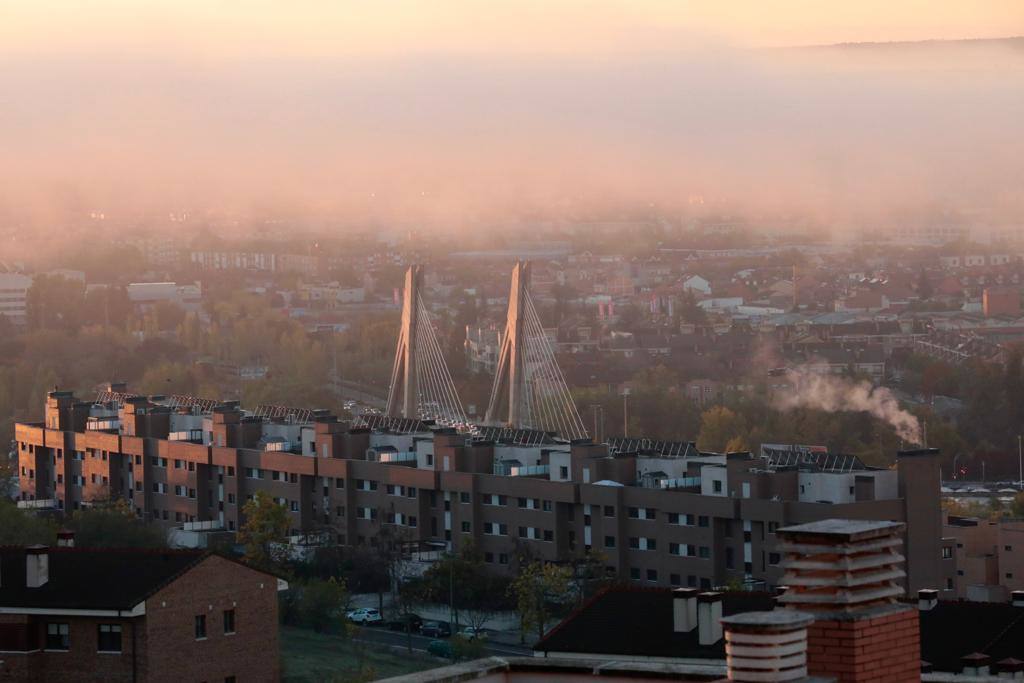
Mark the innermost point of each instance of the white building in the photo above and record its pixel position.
(13, 293)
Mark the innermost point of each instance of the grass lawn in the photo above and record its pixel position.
(308, 657)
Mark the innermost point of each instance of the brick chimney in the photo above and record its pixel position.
(37, 566)
(847, 574)
(1017, 598)
(767, 647)
(65, 538)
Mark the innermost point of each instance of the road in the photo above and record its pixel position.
(382, 636)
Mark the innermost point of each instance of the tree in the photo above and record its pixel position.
(925, 291)
(689, 311)
(18, 527)
(535, 589)
(322, 603)
(113, 524)
(264, 533)
(719, 426)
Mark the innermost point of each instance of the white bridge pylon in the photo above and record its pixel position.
(421, 385)
(528, 379)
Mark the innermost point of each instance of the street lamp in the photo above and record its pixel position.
(625, 412)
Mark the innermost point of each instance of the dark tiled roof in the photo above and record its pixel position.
(81, 578)
(952, 630)
(633, 621)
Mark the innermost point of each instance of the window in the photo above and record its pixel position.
(1008, 548)
(634, 573)
(675, 579)
(463, 497)
(466, 527)
(563, 472)
(549, 535)
(609, 541)
(774, 559)
(703, 520)
(704, 552)
(609, 510)
(547, 508)
(716, 485)
(652, 574)
(58, 637)
(109, 638)
(200, 626)
(947, 553)
(949, 584)
(229, 621)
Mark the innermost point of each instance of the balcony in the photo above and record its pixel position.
(679, 483)
(191, 435)
(504, 470)
(103, 424)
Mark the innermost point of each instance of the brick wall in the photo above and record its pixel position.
(881, 649)
(215, 585)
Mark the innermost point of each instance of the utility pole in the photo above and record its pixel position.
(1020, 465)
(625, 412)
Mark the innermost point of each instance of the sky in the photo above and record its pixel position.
(449, 108)
(220, 28)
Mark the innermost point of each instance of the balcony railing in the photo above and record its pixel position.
(522, 470)
(393, 457)
(679, 483)
(186, 435)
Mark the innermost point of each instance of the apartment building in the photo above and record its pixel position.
(989, 561)
(658, 513)
(79, 614)
(13, 296)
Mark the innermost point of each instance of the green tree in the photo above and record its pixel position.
(536, 589)
(18, 527)
(264, 532)
(112, 524)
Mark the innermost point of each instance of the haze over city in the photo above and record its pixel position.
(454, 110)
(512, 340)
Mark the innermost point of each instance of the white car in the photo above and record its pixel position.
(364, 615)
(471, 633)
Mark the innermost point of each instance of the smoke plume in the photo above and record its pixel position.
(833, 394)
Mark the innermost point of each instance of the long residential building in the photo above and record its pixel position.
(658, 513)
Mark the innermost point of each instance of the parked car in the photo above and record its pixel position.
(364, 615)
(411, 622)
(440, 648)
(471, 633)
(436, 629)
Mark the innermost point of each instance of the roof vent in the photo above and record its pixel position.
(767, 647)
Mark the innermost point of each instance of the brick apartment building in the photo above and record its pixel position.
(76, 614)
(659, 513)
(989, 557)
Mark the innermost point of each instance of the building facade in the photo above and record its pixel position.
(654, 512)
(70, 614)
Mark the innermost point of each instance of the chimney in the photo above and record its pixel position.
(1017, 598)
(767, 647)
(848, 574)
(975, 664)
(1011, 669)
(37, 566)
(927, 598)
(65, 538)
(684, 610)
(709, 618)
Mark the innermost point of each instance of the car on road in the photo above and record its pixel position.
(364, 615)
(441, 648)
(436, 629)
(406, 622)
(471, 633)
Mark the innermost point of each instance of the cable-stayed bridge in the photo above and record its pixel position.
(529, 390)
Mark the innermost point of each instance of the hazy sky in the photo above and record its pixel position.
(362, 27)
(399, 107)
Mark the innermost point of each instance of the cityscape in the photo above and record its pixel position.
(512, 342)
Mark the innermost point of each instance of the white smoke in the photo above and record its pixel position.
(833, 394)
